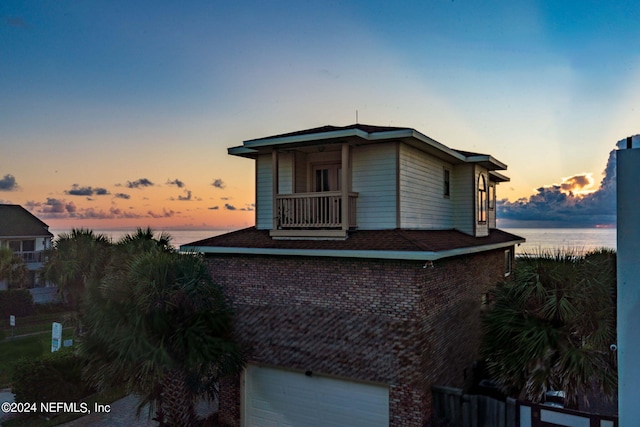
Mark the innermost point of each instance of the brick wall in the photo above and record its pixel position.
(387, 321)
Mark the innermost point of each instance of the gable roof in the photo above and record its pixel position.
(16, 221)
(384, 244)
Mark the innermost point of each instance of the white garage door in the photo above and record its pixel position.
(279, 398)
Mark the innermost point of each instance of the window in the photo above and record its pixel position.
(28, 245)
(327, 177)
(492, 196)
(447, 183)
(508, 257)
(15, 245)
(482, 199)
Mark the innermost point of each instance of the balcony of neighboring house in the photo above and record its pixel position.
(32, 257)
(311, 193)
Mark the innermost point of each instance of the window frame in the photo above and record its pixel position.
(481, 195)
(446, 183)
(508, 262)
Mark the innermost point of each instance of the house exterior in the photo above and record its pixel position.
(26, 236)
(363, 281)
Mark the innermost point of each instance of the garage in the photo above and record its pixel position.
(281, 398)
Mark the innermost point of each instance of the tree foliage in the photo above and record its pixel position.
(551, 327)
(158, 324)
(75, 259)
(13, 269)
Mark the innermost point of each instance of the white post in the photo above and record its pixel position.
(56, 336)
(628, 264)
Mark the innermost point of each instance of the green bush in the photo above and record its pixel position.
(17, 302)
(51, 307)
(54, 377)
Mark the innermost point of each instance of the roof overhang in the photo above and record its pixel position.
(355, 136)
(498, 177)
(398, 255)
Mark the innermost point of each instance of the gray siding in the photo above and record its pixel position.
(374, 178)
(264, 190)
(285, 173)
(300, 172)
(463, 198)
(492, 211)
(422, 201)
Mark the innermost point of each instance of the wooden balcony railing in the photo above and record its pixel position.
(314, 210)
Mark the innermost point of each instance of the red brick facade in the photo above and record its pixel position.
(400, 323)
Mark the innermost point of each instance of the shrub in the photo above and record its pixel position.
(54, 377)
(17, 302)
(52, 307)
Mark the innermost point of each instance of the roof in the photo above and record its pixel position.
(384, 244)
(362, 134)
(330, 128)
(16, 221)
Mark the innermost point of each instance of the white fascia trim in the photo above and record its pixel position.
(488, 158)
(499, 177)
(412, 133)
(239, 151)
(307, 137)
(404, 255)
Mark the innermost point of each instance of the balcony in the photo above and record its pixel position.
(33, 259)
(314, 215)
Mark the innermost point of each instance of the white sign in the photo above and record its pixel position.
(56, 336)
(12, 320)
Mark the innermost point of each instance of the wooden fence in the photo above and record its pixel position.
(453, 408)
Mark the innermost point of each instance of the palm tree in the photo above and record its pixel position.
(551, 328)
(13, 269)
(145, 240)
(160, 326)
(75, 259)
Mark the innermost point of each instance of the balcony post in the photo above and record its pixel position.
(346, 186)
(274, 190)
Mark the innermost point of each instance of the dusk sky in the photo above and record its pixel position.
(119, 113)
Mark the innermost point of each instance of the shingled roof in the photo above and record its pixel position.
(397, 243)
(16, 221)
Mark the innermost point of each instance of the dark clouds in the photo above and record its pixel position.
(55, 208)
(248, 207)
(218, 183)
(165, 214)
(77, 190)
(122, 196)
(139, 183)
(176, 182)
(8, 183)
(561, 206)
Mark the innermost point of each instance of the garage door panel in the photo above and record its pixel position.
(293, 399)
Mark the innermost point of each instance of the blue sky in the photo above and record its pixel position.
(95, 95)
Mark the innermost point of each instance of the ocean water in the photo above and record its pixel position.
(577, 240)
(538, 239)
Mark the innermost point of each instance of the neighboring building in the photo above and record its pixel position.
(363, 281)
(27, 236)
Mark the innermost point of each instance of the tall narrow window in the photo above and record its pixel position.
(492, 196)
(482, 199)
(508, 256)
(447, 183)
